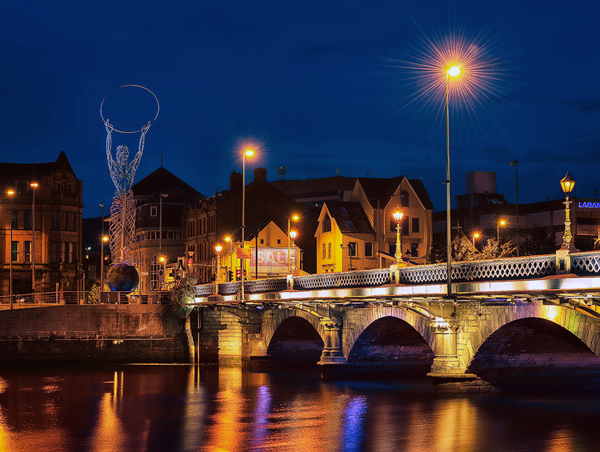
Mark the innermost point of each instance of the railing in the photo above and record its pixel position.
(79, 297)
(529, 267)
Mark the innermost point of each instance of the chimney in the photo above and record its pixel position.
(235, 182)
(260, 175)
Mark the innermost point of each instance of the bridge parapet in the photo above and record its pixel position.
(528, 267)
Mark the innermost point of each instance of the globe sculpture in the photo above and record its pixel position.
(122, 278)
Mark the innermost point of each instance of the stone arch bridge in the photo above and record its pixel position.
(511, 323)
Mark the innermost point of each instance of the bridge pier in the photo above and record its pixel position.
(332, 351)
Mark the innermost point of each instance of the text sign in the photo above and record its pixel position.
(590, 205)
(244, 253)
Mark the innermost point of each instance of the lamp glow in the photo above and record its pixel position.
(453, 71)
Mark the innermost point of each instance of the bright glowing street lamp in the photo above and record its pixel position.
(499, 223)
(246, 153)
(34, 185)
(567, 184)
(294, 218)
(398, 214)
(10, 194)
(293, 235)
(218, 249)
(452, 71)
(476, 237)
(162, 262)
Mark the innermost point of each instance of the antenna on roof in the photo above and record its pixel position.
(281, 171)
(161, 163)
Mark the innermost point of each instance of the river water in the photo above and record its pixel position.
(180, 407)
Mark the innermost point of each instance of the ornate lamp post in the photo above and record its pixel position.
(293, 235)
(162, 263)
(567, 184)
(476, 237)
(34, 185)
(10, 194)
(398, 214)
(294, 218)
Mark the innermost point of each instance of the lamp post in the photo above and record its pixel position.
(294, 218)
(162, 279)
(515, 163)
(452, 71)
(102, 248)
(398, 217)
(293, 235)
(247, 153)
(228, 240)
(34, 185)
(498, 224)
(218, 249)
(475, 237)
(10, 194)
(567, 184)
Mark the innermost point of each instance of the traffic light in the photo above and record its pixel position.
(238, 274)
(230, 276)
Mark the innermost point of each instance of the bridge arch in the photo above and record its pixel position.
(533, 342)
(356, 321)
(291, 335)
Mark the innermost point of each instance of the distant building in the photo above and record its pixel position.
(361, 234)
(211, 220)
(57, 237)
(161, 201)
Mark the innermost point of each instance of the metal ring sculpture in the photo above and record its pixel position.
(129, 86)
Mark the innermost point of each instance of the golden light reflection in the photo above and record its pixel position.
(108, 434)
(454, 424)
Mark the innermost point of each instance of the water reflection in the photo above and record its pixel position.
(209, 409)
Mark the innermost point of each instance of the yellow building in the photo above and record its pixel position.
(267, 241)
(361, 234)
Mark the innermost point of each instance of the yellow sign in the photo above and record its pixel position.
(244, 253)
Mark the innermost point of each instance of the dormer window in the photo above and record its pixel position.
(327, 224)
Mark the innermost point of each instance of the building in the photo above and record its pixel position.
(487, 213)
(54, 244)
(161, 201)
(211, 220)
(361, 234)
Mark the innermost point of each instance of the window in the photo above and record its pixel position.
(170, 234)
(404, 225)
(415, 225)
(343, 211)
(404, 199)
(329, 251)
(54, 220)
(54, 252)
(324, 251)
(368, 249)
(414, 249)
(27, 219)
(70, 252)
(63, 252)
(154, 267)
(279, 241)
(153, 211)
(14, 253)
(327, 224)
(27, 250)
(14, 219)
(352, 249)
(349, 224)
(262, 241)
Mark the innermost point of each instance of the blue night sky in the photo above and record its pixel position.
(321, 85)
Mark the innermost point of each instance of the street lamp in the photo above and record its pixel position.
(10, 194)
(294, 218)
(293, 235)
(218, 249)
(228, 240)
(567, 184)
(476, 237)
(515, 163)
(161, 280)
(398, 214)
(452, 71)
(34, 185)
(246, 153)
(498, 224)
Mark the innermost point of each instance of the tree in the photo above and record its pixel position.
(540, 241)
(494, 249)
(182, 292)
(463, 249)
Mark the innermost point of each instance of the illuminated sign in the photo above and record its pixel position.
(243, 253)
(590, 205)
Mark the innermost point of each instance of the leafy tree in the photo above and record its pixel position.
(463, 249)
(182, 292)
(540, 241)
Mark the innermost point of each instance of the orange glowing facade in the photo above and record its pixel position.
(54, 244)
